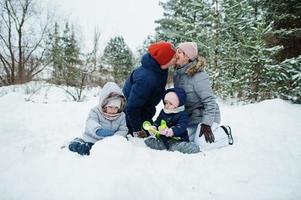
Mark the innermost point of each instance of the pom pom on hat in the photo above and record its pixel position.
(162, 52)
(190, 49)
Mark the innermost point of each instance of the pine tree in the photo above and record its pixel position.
(118, 55)
(71, 71)
(289, 79)
(228, 46)
(183, 20)
(253, 78)
(285, 17)
(56, 54)
(63, 54)
(232, 35)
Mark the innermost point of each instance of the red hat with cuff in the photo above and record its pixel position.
(162, 52)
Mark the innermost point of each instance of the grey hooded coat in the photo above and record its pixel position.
(200, 105)
(96, 120)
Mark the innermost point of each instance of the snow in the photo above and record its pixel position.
(264, 162)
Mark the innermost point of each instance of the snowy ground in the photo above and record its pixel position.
(264, 163)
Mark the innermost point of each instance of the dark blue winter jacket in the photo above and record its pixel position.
(177, 121)
(143, 91)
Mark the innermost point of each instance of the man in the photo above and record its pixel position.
(145, 86)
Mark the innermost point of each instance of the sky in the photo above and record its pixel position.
(132, 19)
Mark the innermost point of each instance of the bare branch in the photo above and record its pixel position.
(68, 92)
(4, 41)
(12, 12)
(36, 66)
(5, 63)
(3, 80)
(37, 44)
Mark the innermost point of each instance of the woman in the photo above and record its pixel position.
(201, 106)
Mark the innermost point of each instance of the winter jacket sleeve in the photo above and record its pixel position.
(204, 91)
(92, 125)
(123, 129)
(180, 128)
(139, 95)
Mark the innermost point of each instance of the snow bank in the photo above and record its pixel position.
(264, 162)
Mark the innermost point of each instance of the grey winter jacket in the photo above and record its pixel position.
(200, 105)
(96, 120)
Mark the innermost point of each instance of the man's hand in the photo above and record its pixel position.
(206, 130)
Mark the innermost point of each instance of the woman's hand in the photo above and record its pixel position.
(206, 130)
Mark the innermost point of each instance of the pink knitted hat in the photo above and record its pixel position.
(190, 49)
(173, 98)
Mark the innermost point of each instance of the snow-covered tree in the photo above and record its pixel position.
(286, 19)
(55, 53)
(288, 79)
(183, 20)
(231, 34)
(118, 55)
(64, 55)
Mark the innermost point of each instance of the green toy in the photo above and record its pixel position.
(148, 126)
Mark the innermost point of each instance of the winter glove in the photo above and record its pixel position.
(104, 132)
(80, 146)
(168, 132)
(206, 130)
(140, 134)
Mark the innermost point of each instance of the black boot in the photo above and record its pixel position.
(80, 146)
(228, 131)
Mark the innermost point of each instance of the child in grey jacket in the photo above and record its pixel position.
(106, 119)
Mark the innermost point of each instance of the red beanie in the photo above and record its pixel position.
(162, 52)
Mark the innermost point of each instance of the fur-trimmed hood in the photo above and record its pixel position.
(193, 67)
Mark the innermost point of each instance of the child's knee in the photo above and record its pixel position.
(155, 144)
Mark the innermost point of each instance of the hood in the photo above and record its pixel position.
(150, 63)
(193, 67)
(180, 93)
(109, 92)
